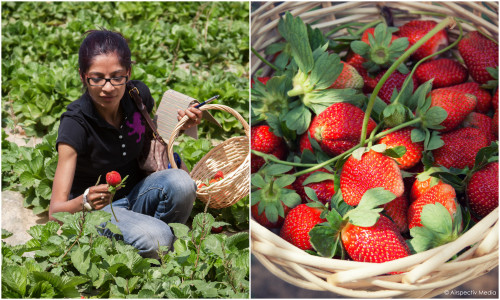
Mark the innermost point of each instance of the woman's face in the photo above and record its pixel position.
(106, 66)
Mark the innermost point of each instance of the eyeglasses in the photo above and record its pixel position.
(115, 81)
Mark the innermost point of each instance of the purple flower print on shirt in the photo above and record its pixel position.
(136, 126)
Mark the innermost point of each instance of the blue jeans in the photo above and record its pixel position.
(163, 197)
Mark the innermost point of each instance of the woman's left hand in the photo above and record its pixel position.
(193, 114)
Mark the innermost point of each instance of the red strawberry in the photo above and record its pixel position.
(338, 128)
(202, 185)
(440, 193)
(397, 210)
(444, 71)
(113, 178)
(403, 138)
(371, 31)
(216, 229)
(483, 97)
(478, 53)
(457, 104)
(494, 100)
(481, 122)
(460, 148)
(369, 81)
(265, 141)
(264, 80)
(379, 243)
(262, 219)
(395, 81)
(373, 170)
(348, 79)
(420, 187)
(494, 124)
(416, 29)
(482, 190)
(219, 175)
(305, 143)
(299, 221)
(324, 190)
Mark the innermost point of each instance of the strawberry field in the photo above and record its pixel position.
(372, 145)
(199, 49)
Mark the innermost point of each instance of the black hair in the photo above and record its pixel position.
(103, 41)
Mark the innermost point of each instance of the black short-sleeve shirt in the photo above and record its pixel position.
(102, 148)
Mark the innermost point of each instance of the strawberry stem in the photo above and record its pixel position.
(111, 206)
(264, 60)
(393, 67)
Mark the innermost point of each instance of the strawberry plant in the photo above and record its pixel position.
(78, 261)
(399, 148)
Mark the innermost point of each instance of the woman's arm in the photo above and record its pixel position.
(63, 180)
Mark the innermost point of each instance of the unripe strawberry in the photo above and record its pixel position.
(113, 178)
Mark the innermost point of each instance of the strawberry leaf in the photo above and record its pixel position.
(295, 32)
(417, 135)
(318, 177)
(284, 180)
(276, 169)
(290, 198)
(395, 152)
(438, 228)
(367, 212)
(325, 237)
(434, 141)
(311, 193)
(298, 119)
(320, 100)
(258, 181)
(486, 155)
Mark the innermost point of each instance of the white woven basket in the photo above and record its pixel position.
(425, 274)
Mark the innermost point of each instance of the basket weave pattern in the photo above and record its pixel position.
(425, 274)
(232, 157)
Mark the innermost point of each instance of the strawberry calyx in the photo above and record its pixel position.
(382, 50)
(326, 237)
(438, 228)
(271, 188)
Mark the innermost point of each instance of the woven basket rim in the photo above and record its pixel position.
(431, 275)
(232, 188)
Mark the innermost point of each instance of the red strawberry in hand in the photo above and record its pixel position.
(115, 182)
(113, 178)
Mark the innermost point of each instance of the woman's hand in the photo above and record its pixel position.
(194, 115)
(99, 196)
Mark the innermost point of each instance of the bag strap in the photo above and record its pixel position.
(134, 93)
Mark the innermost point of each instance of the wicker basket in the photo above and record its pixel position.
(425, 274)
(232, 157)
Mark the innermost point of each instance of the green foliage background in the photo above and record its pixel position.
(197, 48)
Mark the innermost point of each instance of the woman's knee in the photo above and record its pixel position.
(180, 187)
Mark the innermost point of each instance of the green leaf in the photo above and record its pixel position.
(80, 257)
(277, 169)
(285, 180)
(295, 32)
(318, 177)
(367, 213)
(434, 142)
(298, 119)
(435, 115)
(180, 230)
(360, 47)
(311, 193)
(15, 278)
(417, 135)
(395, 152)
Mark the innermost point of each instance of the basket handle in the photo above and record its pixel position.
(177, 129)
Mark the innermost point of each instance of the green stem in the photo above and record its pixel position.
(393, 67)
(111, 206)
(396, 128)
(406, 82)
(277, 160)
(328, 162)
(264, 60)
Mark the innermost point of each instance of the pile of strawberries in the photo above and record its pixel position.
(219, 175)
(369, 148)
